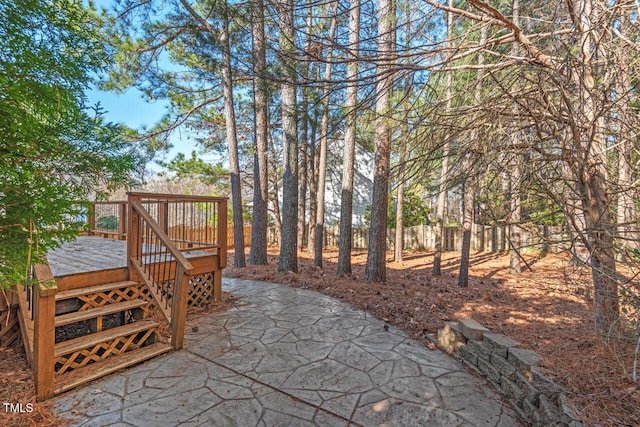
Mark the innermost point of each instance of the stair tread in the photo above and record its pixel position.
(74, 293)
(94, 371)
(79, 316)
(80, 343)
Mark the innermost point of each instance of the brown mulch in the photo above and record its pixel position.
(547, 310)
(16, 387)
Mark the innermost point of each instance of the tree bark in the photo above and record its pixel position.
(324, 135)
(399, 230)
(441, 208)
(515, 211)
(375, 270)
(313, 186)
(304, 137)
(515, 216)
(232, 142)
(468, 186)
(627, 214)
(346, 202)
(258, 250)
(276, 198)
(467, 224)
(288, 248)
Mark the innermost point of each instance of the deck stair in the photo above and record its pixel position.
(91, 317)
(105, 349)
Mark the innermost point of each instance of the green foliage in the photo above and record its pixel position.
(195, 167)
(415, 212)
(109, 222)
(52, 151)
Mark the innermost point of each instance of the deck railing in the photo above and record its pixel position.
(108, 219)
(160, 229)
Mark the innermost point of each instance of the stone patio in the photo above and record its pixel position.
(287, 356)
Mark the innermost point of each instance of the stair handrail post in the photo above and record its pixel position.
(91, 218)
(134, 236)
(221, 227)
(163, 215)
(179, 307)
(222, 232)
(44, 332)
(123, 223)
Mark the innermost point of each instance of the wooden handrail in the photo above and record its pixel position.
(175, 252)
(169, 197)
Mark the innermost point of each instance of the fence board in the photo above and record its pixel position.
(422, 237)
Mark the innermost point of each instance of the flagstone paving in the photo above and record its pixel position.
(287, 356)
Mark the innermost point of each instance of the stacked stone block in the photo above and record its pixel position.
(512, 370)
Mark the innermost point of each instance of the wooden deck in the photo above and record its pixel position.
(86, 254)
(89, 254)
(167, 254)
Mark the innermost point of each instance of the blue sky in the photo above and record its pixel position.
(131, 109)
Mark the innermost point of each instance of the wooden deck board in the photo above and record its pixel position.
(87, 253)
(90, 253)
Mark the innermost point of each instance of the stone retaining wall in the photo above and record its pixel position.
(512, 370)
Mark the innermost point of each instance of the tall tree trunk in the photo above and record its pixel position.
(313, 185)
(304, 136)
(304, 162)
(591, 174)
(324, 136)
(627, 214)
(469, 184)
(515, 215)
(441, 208)
(467, 224)
(288, 249)
(258, 250)
(346, 201)
(276, 198)
(376, 269)
(399, 230)
(515, 211)
(232, 142)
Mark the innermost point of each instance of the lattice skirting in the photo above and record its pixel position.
(9, 327)
(200, 291)
(102, 351)
(99, 299)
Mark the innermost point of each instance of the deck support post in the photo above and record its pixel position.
(179, 307)
(44, 334)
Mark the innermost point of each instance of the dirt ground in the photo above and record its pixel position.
(547, 310)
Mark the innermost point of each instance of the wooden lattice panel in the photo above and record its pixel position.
(102, 351)
(9, 328)
(200, 289)
(112, 296)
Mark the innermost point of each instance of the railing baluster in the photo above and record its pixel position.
(167, 225)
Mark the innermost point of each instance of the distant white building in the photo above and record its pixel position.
(362, 183)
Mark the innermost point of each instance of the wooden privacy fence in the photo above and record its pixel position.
(489, 238)
(483, 238)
